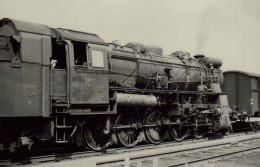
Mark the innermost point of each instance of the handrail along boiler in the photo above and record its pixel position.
(68, 86)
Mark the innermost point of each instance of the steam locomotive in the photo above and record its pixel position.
(64, 86)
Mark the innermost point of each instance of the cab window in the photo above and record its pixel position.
(58, 59)
(80, 54)
(97, 59)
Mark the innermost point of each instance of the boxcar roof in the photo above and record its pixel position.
(243, 72)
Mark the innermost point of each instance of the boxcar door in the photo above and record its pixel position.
(88, 74)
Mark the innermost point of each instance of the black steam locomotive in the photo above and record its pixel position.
(65, 86)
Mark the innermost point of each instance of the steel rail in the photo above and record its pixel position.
(122, 150)
(216, 157)
(133, 156)
(128, 160)
(169, 150)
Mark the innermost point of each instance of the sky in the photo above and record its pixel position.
(224, 29)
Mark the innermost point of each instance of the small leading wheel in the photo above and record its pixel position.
(178, 132)
(93, 136)
(128, 137)
(154, 134)
(227, 131)
(199, 132)
(254, 126)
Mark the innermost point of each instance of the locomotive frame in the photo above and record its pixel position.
(66, 85)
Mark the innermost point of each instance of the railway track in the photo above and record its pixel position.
(189, 158)
(188, 155)
(137, 155)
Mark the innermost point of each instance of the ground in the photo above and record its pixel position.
(248, 160)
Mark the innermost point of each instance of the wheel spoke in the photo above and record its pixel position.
(178, 132)
(93, 136)
(127, 137)
(154, 134)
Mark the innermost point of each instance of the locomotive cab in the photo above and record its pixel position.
(84, 82)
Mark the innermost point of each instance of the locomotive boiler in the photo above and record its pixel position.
(64, 86)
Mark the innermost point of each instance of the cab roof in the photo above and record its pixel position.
(14, 27)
